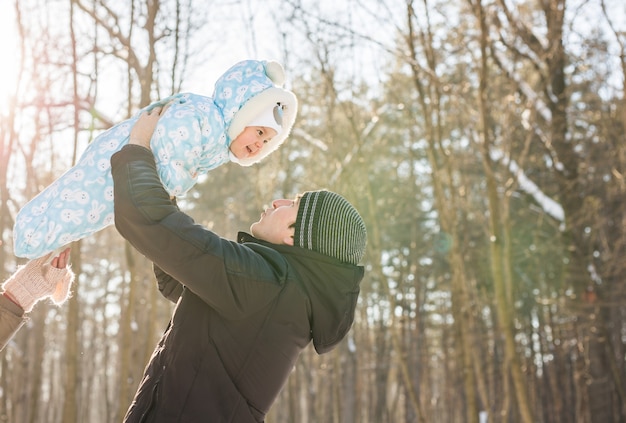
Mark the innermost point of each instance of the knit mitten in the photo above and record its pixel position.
(37, 280)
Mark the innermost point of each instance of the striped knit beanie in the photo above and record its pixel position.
(329, 224)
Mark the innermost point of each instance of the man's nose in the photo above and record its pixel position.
(280, 202)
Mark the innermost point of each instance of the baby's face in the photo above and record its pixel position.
(251, 140)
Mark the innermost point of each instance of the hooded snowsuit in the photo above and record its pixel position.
(245, 310)
(192, 137)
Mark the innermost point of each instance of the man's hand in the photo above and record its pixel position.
(142, 131)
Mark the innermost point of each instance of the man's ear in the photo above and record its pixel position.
(288, 240)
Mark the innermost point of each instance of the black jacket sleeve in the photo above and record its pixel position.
(232, 278)
(169, 287)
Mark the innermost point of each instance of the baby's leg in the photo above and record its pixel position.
(77, 204)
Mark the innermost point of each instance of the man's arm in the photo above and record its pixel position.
(231, 278)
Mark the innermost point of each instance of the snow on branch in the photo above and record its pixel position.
(551, 207)
(523, 86)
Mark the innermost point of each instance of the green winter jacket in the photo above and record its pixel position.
(245, 310)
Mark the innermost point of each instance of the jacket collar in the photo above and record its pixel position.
(246, 237)
(332, 288)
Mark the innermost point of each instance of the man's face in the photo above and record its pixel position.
(251, 140)
(277, 222)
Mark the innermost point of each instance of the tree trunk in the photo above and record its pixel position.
(127, 322)
(499, 228)
(72, 374)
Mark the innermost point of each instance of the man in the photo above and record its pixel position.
(36, 280)
(245, 310)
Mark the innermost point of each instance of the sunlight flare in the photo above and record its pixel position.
(8, 70)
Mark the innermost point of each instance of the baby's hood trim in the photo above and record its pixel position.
(268, 98)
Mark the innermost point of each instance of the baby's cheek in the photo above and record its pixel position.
(233, 146)
(234, 151)
(237, 149)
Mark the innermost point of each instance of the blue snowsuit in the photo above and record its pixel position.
(192, 137)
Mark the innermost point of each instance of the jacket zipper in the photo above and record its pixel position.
(154, 398)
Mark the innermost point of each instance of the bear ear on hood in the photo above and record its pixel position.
(275, 72)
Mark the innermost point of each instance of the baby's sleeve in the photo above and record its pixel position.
(185, 146)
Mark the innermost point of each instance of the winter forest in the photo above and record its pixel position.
(483, 142)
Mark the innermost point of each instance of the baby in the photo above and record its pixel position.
(248, 117)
